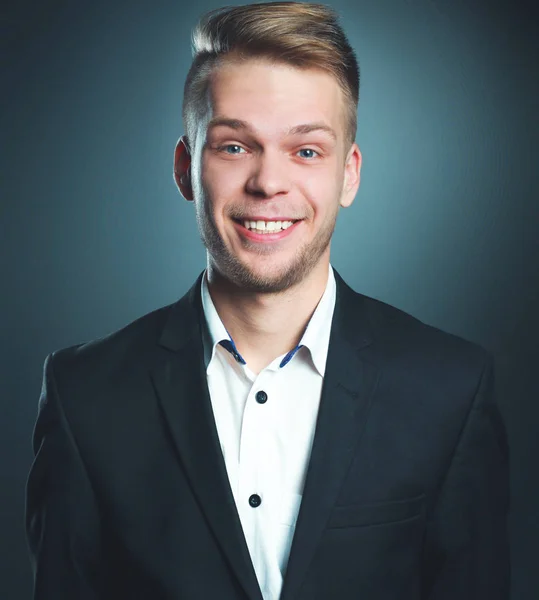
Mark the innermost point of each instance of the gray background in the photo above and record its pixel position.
(94, 234)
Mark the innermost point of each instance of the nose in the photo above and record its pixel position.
(269, 176)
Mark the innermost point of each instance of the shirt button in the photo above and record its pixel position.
(261, 397)
(255, 500)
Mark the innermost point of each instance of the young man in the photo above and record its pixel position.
(273, 434)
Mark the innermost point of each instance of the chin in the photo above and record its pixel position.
(265, 279)
(266, 273)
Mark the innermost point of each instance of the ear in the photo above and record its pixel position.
(352, 169)
(182, 168)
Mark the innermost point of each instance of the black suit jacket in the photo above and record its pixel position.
(406, 495)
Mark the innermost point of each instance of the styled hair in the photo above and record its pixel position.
(300, 34)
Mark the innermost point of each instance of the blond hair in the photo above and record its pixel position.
(303, 35)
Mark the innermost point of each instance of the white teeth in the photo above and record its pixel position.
(267, 226)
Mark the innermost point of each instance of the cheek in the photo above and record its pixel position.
(222, 181)
(323, 194)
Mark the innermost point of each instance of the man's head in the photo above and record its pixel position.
(269, 111)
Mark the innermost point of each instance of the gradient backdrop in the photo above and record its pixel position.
(94, 233)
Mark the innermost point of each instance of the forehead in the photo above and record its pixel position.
(275, 97)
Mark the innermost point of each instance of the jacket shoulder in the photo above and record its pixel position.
(132, 345)
(401, 335)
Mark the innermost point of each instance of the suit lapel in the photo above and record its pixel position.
(347, 393)
(181, 386)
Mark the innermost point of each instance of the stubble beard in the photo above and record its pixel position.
(231, 268)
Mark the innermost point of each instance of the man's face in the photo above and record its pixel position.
(273, 150)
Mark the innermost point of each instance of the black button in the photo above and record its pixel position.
(255, 500)
(261, 397)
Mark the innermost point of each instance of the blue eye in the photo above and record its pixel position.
(232, 149)
(308, 153)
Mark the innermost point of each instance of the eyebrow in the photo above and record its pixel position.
(304, 128)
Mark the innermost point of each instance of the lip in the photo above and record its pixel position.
(268, 219)
(265, 237)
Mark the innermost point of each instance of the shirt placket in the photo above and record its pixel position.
(251, 489)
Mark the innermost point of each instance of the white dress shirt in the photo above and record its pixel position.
(266, 426)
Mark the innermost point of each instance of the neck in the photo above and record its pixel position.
(265, 326)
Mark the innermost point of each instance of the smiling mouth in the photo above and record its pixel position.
(259, 226)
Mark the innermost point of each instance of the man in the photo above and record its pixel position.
(272, 434)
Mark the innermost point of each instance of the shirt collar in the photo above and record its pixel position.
(315, 337)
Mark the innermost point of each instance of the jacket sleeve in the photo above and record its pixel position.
(62, 521)
(467, 546)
